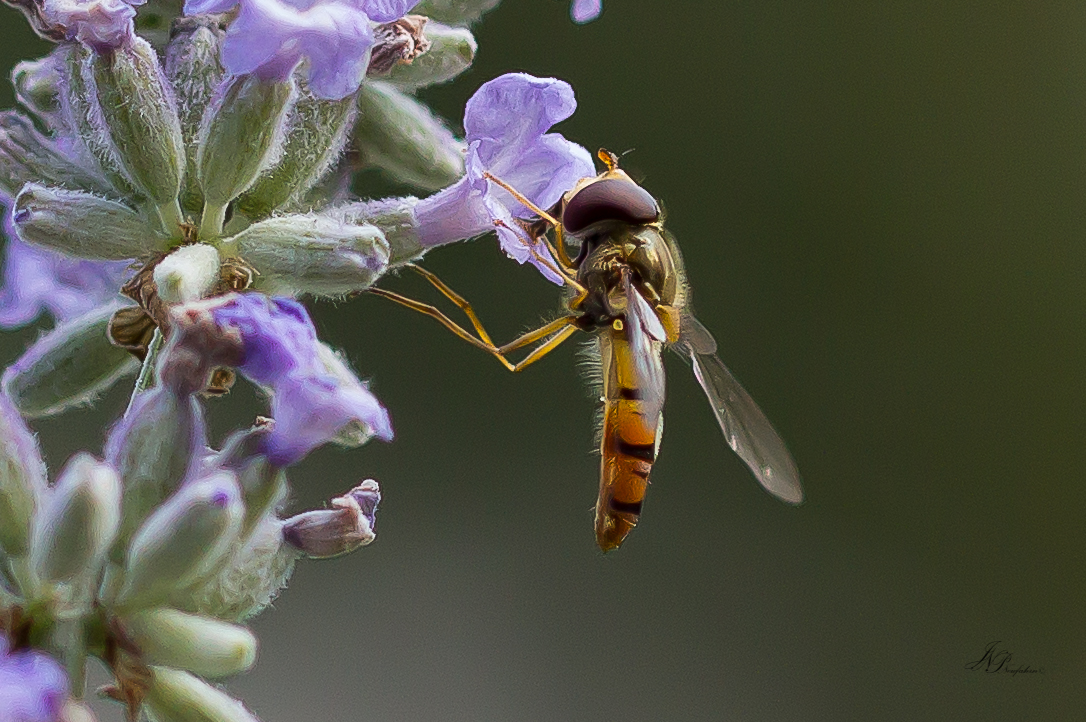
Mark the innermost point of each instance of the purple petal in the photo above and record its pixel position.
(385, 11)
(36, 279)
(311, 410)
(270, 38)
(277, 334)
(33, 687)
(311, 403)
(513, 110)
(507, 122)
(196, 7)
(99, 24)
(582, 11)
(543, 171)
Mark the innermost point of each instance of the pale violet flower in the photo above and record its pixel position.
(584, 11)
(36, 280)
(506, 123)
(314, 398)
(270, 38)
(98, 24)
(33, 687)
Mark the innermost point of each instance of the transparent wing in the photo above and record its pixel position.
(745, 426)
(645, 334)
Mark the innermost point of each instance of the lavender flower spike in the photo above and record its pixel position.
(33, 687)
(506, 122)
(270, 38)
(312, 402)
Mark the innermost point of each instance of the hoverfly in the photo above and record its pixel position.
(629, 290)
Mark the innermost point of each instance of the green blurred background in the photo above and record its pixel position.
(883, 212)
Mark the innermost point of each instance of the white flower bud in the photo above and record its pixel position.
(451, 52)
(242, 134)
(68, 366)
(316, 132)
(77, 111)
(82, 224)
(132, 105)
(313, 253)
(201, 645)
(77, 522)
(401, 136)
(396, 219)
(182, 541)
(22, 480)
(194, 70)
(455, 12)
(175, 696)
(153, 448)
(187, 274)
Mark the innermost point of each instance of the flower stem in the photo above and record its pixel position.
(172, 218)
(212, 221)
(147, 371)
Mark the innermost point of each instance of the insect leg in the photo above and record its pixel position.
(462, 303)
(538, 334)
(432, 312)
(545, 348)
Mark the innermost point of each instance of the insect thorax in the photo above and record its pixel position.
(639, 250)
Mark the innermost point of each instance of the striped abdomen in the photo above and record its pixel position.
(633, 398)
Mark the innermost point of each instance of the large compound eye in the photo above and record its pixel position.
(611, 199)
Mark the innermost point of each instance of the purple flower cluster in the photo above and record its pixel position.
(271, 37)
(33, 687)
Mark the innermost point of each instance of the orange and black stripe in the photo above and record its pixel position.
(631, 429)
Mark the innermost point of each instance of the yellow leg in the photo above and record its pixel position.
(461, 302)
(543, 349)
(563, 274)
(428, 310)
(539, 334)
(558, 330)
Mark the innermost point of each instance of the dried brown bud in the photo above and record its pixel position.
(397, 42)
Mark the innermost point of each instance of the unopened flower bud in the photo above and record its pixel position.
(27, 156)
(134, 108)
(22, 479)
(78, 111)
(316, 132)
(455, 12)
(153, 448)
(37, 88)
(81, 224)
(201, 645)
(194, 70)
(345, 527)
(401, 136)
(396, 219)
(313, 253)
(183, 540)
(451, 52)
(188, 273)
(263, 485)
(77, 522)
(242, 135)
(68, 366)
(176, 696)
